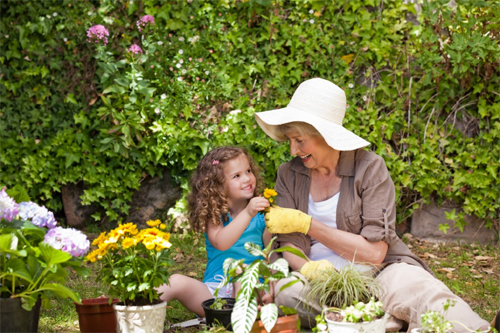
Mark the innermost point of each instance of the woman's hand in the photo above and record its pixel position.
(285, 220)
(312, 269)
(256, 205)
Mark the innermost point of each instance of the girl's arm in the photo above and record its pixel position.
(222, 238)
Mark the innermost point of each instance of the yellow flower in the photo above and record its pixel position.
(100, 238)
(128, 242)
(163, 226)
(268, 193)
(271, 200)
(152, 223)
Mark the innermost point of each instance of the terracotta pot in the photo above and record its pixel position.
(140, 319)
(215, 316)
(96, 315)
(284, 324)
(13, 318)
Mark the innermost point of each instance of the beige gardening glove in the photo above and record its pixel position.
(285, 220)
(313, 269)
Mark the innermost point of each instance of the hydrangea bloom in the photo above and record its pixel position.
(8, 207)
(97, 33)
(39, 215)
(145, 20)
(134, 48)
(68, 240)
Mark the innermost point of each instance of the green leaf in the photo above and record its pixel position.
(53, 256)
(244, 314)
(269, 316)
(254, 249)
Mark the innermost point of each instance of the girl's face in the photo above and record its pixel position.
(313, 151)
(240, 180)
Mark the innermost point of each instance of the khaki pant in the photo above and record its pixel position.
(409, 291)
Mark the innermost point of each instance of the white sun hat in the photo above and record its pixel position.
(319, 103)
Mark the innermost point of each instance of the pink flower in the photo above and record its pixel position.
(145, 20)
(97, 33)
(134, 48)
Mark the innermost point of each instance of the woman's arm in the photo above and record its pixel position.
(350, 246)
(222, 238)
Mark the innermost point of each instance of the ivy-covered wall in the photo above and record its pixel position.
(422, 87)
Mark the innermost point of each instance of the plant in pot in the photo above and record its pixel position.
(347, 296)
(35, 255)
(250, 314)
(134, 263)
(436, 322)
(218, 310)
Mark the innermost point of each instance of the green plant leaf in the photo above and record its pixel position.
(244, 314)
(269, 315)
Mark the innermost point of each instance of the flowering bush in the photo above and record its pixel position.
(134, 262)
(35, 253)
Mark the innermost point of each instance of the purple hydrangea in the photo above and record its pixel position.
(39, 215)
(98, 33)
(8, 207)
(145, 20)
(68, 240)
(134, 48)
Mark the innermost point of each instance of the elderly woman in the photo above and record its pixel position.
(339, 198)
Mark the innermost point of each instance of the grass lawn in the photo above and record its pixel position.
(470, 271)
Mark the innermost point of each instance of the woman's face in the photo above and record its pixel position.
(313, 151)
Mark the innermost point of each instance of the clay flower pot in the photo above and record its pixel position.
(96, 315)
(284, 324)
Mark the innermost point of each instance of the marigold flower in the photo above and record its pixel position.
(154, 223)
(268, 193)
(98, 33)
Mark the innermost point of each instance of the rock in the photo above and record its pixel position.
(76, 214)
(426, 220)
(153, 199)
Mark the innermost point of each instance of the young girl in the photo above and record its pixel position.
(223, 204)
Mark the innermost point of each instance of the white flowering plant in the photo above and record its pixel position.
(35, 253)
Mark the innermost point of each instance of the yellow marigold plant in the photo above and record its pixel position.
(270, 194)
(133, 262)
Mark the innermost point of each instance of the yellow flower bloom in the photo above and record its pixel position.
(100, 238)
(269, 192)
(152, 223)
(163, 226)
(128, 242)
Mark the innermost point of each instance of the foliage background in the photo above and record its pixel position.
(422, 87)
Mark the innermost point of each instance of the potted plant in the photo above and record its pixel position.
(134, 263)
(347, 296)
(218, 310)
(249, 313)
(359, 317)
(436, 322)
(97, 314)
(35, 254)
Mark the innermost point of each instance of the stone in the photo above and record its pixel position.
(77, 215)
(426, 220)
(154, 198)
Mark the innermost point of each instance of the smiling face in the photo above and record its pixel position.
(313, 150)
(240, 180)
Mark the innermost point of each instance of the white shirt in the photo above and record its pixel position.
(326, 213)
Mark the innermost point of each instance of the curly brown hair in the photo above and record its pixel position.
(207, 201)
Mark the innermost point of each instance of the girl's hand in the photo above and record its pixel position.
(256, 205)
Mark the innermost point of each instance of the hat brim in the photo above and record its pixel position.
(336, 136)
